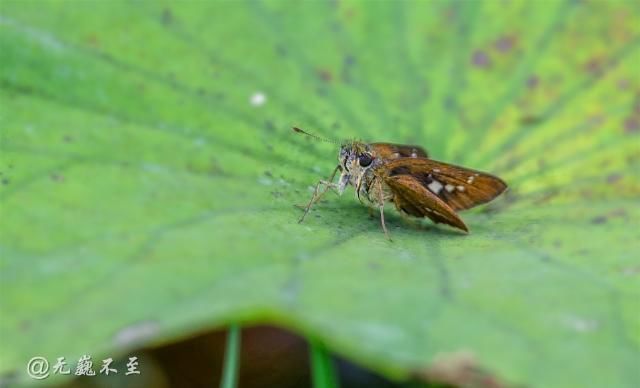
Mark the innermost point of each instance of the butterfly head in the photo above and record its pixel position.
(356, 157)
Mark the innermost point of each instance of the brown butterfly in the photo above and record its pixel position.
(403, 174)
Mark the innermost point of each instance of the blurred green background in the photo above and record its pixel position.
(149, 175)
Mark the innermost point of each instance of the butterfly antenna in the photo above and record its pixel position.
(296, 129)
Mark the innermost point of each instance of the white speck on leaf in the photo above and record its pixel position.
(580, 324)
(136, 333)
(258, 99)
(265, 181)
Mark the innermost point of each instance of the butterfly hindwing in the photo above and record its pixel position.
(411, 197)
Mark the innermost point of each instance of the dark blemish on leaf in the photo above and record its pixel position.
(201, 92)
(276, 194)
(281, 50)
(613, 178)
(216, 169)
(623, 84)
(9, 379)
(347, 63)
(5, 181)
(57, 177)
(449, 103)
(269, 126)
(335, 125)
(324, 75)
(67, 139)
(93, 41)
(349, 60)
(505, 44)
(599, 220)
(533, 81)
(480, 59)
(167, 16)
(530, 120)
(595, 66)
(620, 212)
(322, 92)
(137, 333)
(631, 125)
(596, 120)
(25, 325)
(268, 173)
(374, 266)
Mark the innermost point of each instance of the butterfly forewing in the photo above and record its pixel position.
(460, 188)
(394, 151)
(411, 197)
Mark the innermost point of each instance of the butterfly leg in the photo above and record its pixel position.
(317, 194)
(384, 227)
(381, 206)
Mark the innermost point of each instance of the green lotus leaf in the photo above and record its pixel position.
(149, 175)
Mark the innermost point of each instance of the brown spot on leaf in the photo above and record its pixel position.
(92, 40)
(595, 66)
(631, 125)
(599, 220)
(505, 44)
(459, 369)
(325, 75)
(613, 178)
(480, 59)
(57, 177)
(530, 120)
(623, 84)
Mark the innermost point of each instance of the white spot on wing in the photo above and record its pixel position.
(258, 99)
(460, 188)
(435, 187)
(449, 187)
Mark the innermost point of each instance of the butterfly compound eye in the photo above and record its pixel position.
(365, 160)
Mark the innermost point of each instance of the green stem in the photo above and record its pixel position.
(322, 369)
(231, 358)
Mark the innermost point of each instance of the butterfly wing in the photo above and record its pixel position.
(394, 151)
(411, 197)
(459, 187)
